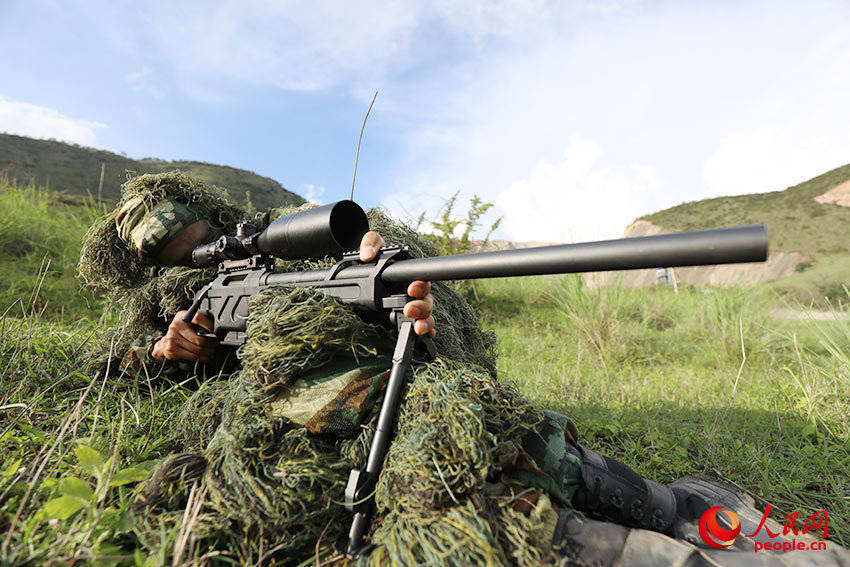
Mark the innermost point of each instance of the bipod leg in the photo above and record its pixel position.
(360, 490)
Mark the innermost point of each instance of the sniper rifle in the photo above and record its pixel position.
(377, 290)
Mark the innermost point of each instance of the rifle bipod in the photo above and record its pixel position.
(360, 490)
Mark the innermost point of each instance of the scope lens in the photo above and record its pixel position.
(348, 224)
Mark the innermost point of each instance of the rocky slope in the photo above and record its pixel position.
(779, 264)
(806, 223)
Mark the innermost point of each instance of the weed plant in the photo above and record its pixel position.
(72, 443)
(40, 238)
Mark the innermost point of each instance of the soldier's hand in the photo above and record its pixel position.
(369, 245)
(181, 342)
(423, 306)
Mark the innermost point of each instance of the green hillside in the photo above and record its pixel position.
(796, 222)
(76, 170)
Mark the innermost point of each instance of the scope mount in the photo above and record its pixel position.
(261, 261)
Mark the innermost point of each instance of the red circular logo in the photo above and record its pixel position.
(715, 535)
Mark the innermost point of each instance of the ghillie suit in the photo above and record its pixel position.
(458, 488)
(475, 475)
(115, 260)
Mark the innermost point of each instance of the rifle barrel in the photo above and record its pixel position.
(693, 248)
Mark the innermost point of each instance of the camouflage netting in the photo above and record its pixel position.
(446, 496)
(142, 294)
(245, 483)
(107, 263)
(447, 488)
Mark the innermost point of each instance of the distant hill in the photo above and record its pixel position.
(809, 249)
(76, 170)
(797, 222)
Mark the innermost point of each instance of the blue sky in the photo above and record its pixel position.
(573, 117)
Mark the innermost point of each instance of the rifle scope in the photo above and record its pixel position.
(316, 232)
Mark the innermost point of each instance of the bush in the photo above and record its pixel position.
(452, 233)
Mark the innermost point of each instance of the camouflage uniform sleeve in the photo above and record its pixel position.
(137, 359)
(335, 399)
(555, 462)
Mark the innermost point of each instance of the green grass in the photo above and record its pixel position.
(655, 378)
(40, 238)
(659, 380)
(72, 445)
(821, 284)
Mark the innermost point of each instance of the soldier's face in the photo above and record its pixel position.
(177, 251)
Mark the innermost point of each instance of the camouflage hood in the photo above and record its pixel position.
(117, 249)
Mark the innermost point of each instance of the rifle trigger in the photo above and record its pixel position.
(193, 310)
(202, 332)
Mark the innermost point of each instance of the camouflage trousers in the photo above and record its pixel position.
(551, 447)
(337, 399)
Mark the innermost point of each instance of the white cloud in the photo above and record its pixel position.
(355, 46)
(576, 199)
(256, 43)
(797, 130)
(721, 99)
(404, 207)
(39, 122)
(770, 159)
(713, 98)
(145, 81)
(313, 193)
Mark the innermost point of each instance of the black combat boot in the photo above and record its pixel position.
(624, 500)
(614, 492)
